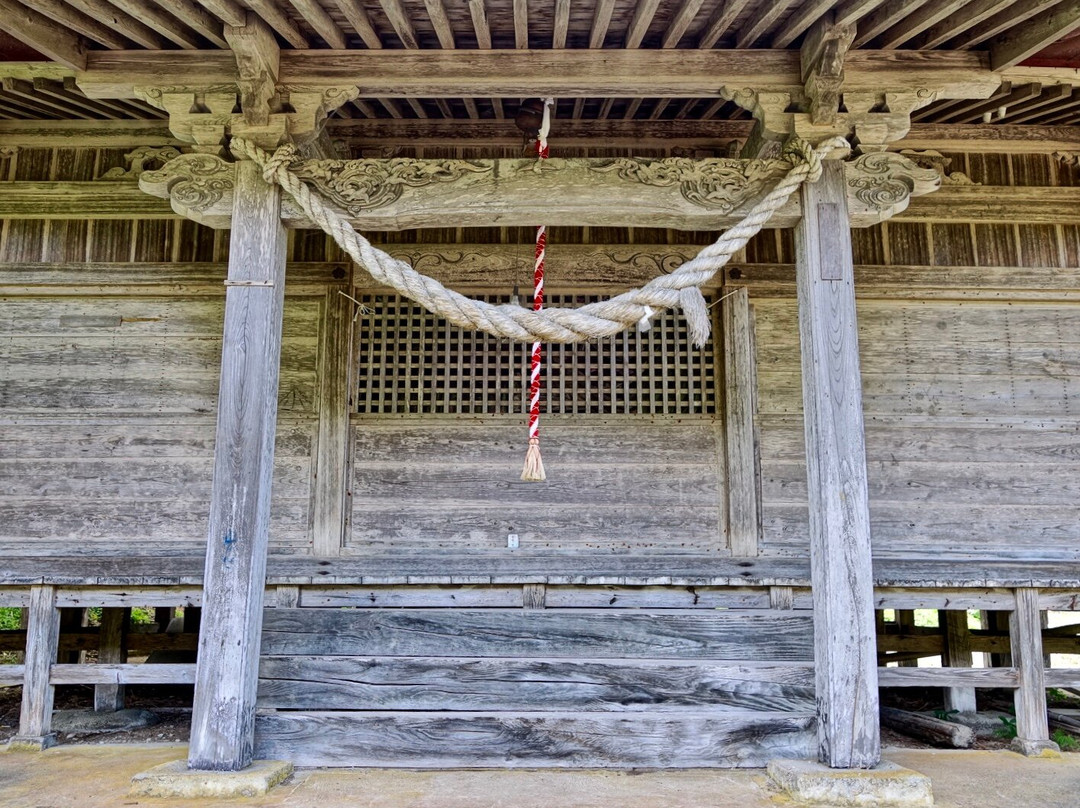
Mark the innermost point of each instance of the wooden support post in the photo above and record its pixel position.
(1025, 641)
(957, 655)
(740, 383)
(845, 651)
(905, 623)
(112, 649)
(328, 491)
(42, 639)
(223, 714)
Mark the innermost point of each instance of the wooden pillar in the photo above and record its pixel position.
(112, 649)
(1025, 640)
(954, 624)
(223, 713)
(845, 650)
(740, 382)
(42, 639)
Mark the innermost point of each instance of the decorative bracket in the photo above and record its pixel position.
(675, 192)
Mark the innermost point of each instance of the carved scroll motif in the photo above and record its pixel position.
(714, 184)
(196, 183)
(139, 160)
(885, 182)
(358, 185)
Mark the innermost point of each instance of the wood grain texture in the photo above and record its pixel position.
(223, 712)
(847, 691)
(1026, 647)
(329, 488)
(107, 675)
(112, 650)
(42, 636)
(732, 634)
(957, 655)
(740, 393)
(508, 740)
(455, 684)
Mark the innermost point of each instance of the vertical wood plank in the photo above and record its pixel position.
(42, 638)
(957, 655)
(1025, 641)
(112, 649)
(223, 713)
(744, 523)
(328, 491)
(844, 641)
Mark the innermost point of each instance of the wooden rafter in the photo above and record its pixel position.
(399, 20)
(562, 24)
(922, 19)
(110, 15)
(441, 23)
(77, 22)
(763, 19)
(640, 22)
(1001, 22)
(1014, 46)
(480, 24)
(323, 24)
(196, 18)
(1036, 107)
(723, 18)
(228, 11)
(681, 22)
(521, 24)
(600, 23)
(42, 34)
(165, 24)
(358, 18)
(970, 14)
(277, 20)
(883, 18)
(799, 20)
(850, 11)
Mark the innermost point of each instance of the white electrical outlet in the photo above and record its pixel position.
(512, 541)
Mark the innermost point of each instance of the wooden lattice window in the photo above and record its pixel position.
(410, 362)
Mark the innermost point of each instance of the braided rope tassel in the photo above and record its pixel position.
(534, 464)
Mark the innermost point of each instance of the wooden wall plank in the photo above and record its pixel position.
(733, 634)
(508, 740)
(453, 684)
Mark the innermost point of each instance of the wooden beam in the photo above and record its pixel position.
(970, 14)
(42, 639)
(561, 26)
(1016, 45)
(79, 23)
(842, 580)
(740, 393)
(112, 650)
(521, 24)
(1005, 20)
(883, 18)
(196, 18)
(276, 19)
(107, 13)
(562, 73)
(1026, 646)
(43, 35)
(921, 19)
(480, 24)
(228, 11)
(224, 709)
(164, 23)
(765, 15)
(258, 64)
(799, 21)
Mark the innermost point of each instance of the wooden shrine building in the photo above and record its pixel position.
(205, 402)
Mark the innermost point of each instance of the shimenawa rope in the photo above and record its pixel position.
(601, 319)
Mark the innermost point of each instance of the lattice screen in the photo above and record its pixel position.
(412, 362)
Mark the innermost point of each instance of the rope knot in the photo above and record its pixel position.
(799, 152)
(283, 157)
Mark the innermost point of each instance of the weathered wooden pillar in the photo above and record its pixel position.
(42, 638)
(223, 715)
(743, 478)
(112, 649)
(954, 624)
(844, 643)
(1025, 641)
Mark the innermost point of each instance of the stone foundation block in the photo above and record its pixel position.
(887, 785)
(1040, 749)
(175, 780)
(30, 743)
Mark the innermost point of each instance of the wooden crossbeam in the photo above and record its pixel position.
(665, 73)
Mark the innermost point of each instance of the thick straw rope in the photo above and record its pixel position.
(558, 325)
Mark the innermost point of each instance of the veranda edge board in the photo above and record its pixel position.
(668, 739)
